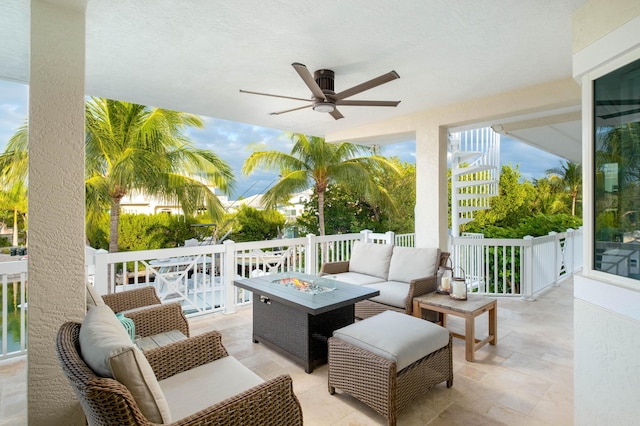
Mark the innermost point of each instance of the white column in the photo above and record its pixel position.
(431, 187)
(56, 203)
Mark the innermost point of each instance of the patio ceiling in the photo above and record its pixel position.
(195, 55)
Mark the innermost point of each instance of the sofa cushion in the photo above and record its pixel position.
(107, 349)
(371, 259)
(354, 278)
(397, 337)
(393, 293)
(409, 263)
(196, 389)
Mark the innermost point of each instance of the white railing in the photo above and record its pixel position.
(201, 277)
(13, 282)
(405, 240)
(509, 267)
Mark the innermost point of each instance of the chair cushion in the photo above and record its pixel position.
(371, 259)
(354, 278)
(107, 349)
(93, 298)
(196, 389)
(393, 293)
(397, 337)
(409, 263)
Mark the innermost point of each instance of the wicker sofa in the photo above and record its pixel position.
(144, 307)
(190, 382)
(399, 273)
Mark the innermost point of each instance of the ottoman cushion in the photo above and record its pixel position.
(397, 337)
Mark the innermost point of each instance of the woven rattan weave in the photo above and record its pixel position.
(150, 316)
(106, 401)
(374, 380)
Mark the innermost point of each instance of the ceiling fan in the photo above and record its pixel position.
(324, 98)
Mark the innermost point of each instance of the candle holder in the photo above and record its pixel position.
(458, 286)
(444, 276)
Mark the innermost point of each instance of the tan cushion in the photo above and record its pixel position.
(410, 263)
(107, 349)
(93, 298)
(196, 389)
(397, 337)
(354, 278)
(393, 293)
(371, 259)
(131, 368)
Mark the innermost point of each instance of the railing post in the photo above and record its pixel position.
(229, 276)
(571, 240)
(311, 256)
(391, 237)
(366, 235)
(527, 269)
(557, 251)
(100, 280)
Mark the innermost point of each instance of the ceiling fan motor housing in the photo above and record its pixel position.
(325, 80)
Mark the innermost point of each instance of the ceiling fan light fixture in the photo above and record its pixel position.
(324, 106)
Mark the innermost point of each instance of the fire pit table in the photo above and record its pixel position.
(295, 313)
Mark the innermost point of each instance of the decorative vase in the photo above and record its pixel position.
(128, 325)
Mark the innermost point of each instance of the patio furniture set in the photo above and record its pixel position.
(386, 360)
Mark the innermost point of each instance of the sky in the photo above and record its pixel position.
(234, 142)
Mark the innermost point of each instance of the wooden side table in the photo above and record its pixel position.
(469, 309)
(158, 340)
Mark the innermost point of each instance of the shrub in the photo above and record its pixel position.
(144, 232)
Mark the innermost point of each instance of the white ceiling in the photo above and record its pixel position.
(195, 55)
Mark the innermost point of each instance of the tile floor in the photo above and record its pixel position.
(526, 379)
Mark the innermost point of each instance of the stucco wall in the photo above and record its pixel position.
(606, 348)
(56, 204)
(598, 18)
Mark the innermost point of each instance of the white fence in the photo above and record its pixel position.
(201, 277)
(508, 267)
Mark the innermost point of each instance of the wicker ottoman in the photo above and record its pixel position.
(388, 360)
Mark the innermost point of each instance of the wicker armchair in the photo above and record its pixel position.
(106, 401)
(146, 310)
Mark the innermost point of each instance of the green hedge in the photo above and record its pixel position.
(145, 232)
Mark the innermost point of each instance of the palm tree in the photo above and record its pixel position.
(549, 193)
(15, 198)
(570, 175)
(131, 147)
(314, 162)
(14, 166)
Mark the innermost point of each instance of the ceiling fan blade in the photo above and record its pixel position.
(275, 96)
(308, 79)
(289, 110)
(385, 78)
(336, 114)
(368, 103)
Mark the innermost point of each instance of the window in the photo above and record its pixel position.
(616, 127)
